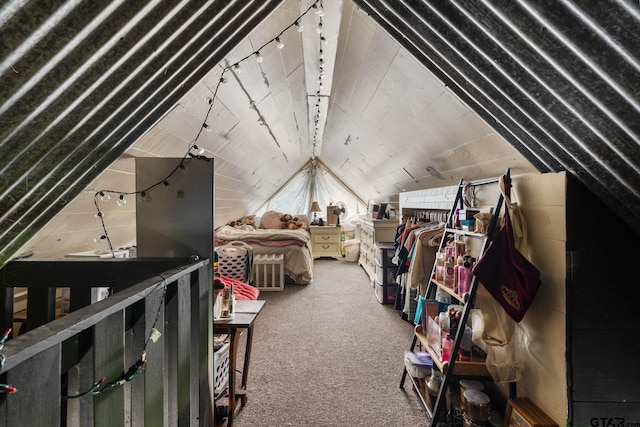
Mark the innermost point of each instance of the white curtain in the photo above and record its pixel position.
(313, 183)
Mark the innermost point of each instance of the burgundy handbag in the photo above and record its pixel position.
(508, 276)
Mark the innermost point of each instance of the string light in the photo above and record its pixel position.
(134, 370)
(5, 388)
(316, 134)
(193, 150)
(198, 150)
(143, 197)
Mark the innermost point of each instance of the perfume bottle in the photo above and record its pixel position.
(228, 303)
(447, 346)
(448, 272)
(464, 278)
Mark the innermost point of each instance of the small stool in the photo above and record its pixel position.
(268, 272)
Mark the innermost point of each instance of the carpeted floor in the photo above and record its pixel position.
(328, 354)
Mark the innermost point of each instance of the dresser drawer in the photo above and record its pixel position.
(326, 238)
(320, 248)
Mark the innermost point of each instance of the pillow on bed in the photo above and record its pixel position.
(271, 220)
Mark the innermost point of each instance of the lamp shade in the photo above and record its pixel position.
(315, 207)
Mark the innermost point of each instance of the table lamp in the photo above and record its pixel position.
(315, 207)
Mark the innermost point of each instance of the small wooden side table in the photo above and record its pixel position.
(325, 241)
(244, 316)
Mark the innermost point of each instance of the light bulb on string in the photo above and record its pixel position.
(198, 150)
(167, 185)
(143, 197)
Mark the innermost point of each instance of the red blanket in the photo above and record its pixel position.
(241, 290)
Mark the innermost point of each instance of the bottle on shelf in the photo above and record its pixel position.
(466, 345)
(228, 303)
(449, 268)
(440, 258)
(447, 345)
(464, 278)
(456, 273)
(460, 246)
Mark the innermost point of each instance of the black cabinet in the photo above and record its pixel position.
(385, 277)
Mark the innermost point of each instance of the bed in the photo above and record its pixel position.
(294, 244)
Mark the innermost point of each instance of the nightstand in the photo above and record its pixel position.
(325, 241)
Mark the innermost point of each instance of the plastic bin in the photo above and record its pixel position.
(418, 363)
(221, 368)
(352, 249)
(233, 259)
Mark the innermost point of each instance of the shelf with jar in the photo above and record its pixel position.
(445, 326)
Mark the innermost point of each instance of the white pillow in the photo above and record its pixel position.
(271, 220)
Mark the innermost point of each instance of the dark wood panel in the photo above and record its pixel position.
(171, 366)
(110, 364)
(603, 348)
(155, 399)
(111, 272)
(202, 330)
(603, 338)
(37, 380)
(41, 307)
(134, 343)
(184, 398)
(604, 414)
(606, 384)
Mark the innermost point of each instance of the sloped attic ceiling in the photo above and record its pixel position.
(82, 82)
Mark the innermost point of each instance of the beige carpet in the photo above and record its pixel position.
(328, 354)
